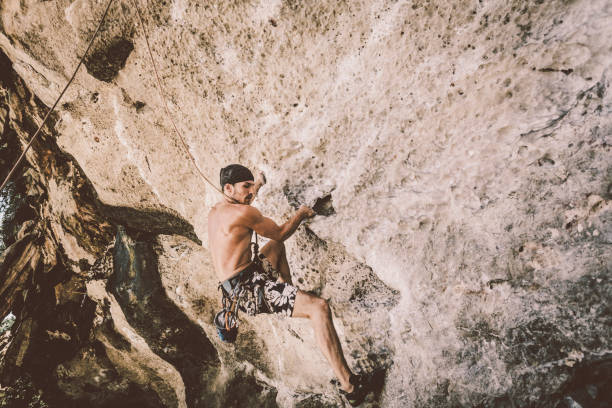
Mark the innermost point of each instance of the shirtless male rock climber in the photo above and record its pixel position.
(230, 226)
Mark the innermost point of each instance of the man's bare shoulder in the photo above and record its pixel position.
(215, 210)
(237, 212)
(247, 213)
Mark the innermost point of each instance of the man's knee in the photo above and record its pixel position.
(311, 306)
(274, 247)
(279, 246)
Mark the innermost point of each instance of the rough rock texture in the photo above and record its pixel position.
(459, 151)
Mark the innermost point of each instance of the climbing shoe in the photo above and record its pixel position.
(359, 393)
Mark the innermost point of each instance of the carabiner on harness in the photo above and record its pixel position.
(226, 320)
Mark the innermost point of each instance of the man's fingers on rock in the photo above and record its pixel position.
(261, 177)
(306, 211)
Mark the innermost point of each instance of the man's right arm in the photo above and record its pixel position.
(266, 227)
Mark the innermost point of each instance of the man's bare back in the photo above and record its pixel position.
(229, 239)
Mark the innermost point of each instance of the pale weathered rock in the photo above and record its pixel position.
(458, 151)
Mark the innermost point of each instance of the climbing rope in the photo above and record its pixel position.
(165, 103)
(180, 135)
(8, 177)
(159, 88)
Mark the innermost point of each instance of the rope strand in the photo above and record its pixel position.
(159, 88)
(165, 102)
(167, 109)
(8, 177)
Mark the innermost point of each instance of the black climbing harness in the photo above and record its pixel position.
(233, 291)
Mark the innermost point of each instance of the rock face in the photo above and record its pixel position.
(459, 153)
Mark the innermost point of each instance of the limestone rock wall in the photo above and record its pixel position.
(462, 150)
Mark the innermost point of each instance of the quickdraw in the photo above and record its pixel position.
(226, 320)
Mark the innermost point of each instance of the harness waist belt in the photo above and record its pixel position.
(242, 276)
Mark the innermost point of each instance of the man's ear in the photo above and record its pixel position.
(228, 189)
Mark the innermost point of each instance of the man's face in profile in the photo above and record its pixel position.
(243, 191)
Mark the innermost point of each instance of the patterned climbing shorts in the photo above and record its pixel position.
(265, 294)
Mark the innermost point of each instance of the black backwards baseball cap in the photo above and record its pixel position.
(235, 173)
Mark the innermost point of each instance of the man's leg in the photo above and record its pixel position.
(319, 313)
(315, 309)
(275, 252)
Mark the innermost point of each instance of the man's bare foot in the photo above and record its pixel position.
(359, 390)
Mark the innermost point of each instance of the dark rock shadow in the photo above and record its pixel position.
(106, 60)
(153, 221)
(167, 330)
(590, 386)
(243, 392)
(47, 294)
(376, 382)
(324, 206)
